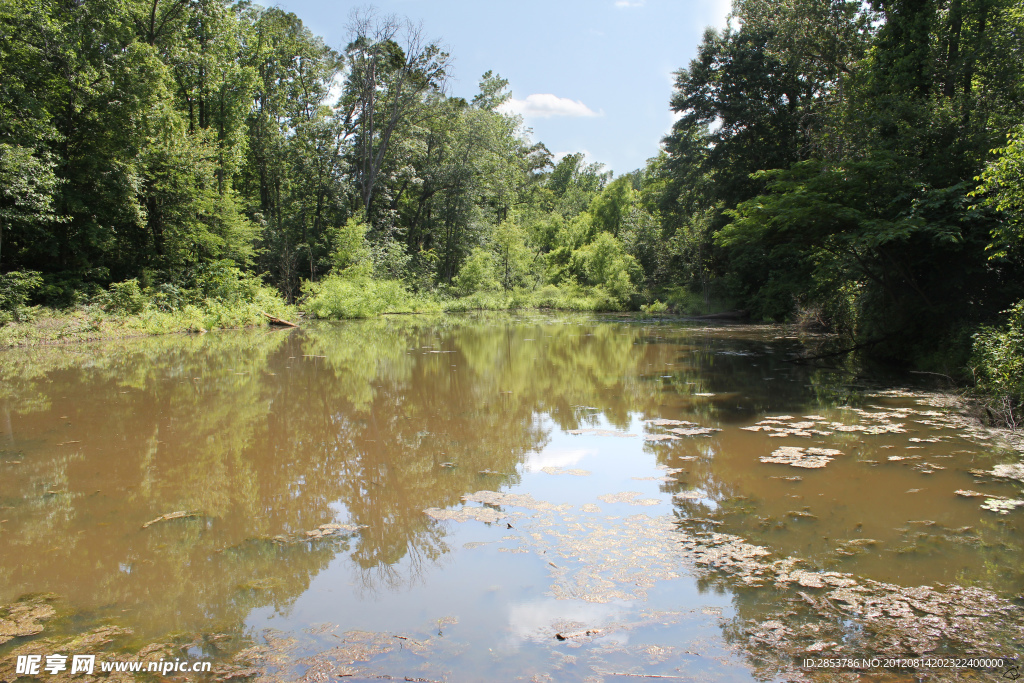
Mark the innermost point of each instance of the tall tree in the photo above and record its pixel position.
(391, 68)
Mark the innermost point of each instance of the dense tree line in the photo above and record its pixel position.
(165, 140)
(852, 162)
(857, 164)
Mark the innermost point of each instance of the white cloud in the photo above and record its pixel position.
(720, 11)
(630, 3)
(545, 105)
(535, 620)
(555, 457)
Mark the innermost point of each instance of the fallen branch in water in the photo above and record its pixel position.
(181, 514)
(278, 321)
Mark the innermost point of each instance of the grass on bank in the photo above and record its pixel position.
(339, 297)
(221, 299)
(226, 298)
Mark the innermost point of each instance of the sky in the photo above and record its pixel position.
(592, 76)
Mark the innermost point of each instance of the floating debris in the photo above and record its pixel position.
(662, 422)
(854, 546)
(25, 617)
(1003, 506)
(967, 493)
(694, 431)
(1009, 471)
(780, 427)
(600, 432)
(466, 514)
(522, 500)
(577, 635)
(808, 458)
(180, 514)
(661, 437)
(628, 497)
(333, 529)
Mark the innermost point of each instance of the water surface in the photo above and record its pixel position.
(318, 470)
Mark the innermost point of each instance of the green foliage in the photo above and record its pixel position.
(604, 262)
(565, 297)
(1002, 187)
(830, 160)
(390, 259)
(27, 184)
(338, 297)
(687, 301)
(477, 274)
(223, 281)
(15, 289)
(824, 160)
(654, 308)
(998, 363)
(350, 246)
(125, 298)
(513, 256)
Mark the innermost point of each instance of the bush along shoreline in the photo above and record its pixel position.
(224, 297)
(218, 298)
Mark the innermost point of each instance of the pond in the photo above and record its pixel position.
(495, 497)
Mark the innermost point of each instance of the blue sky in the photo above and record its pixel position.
(590, 76)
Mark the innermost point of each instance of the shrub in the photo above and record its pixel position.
(998, 364)
(224, 281)
(605, 263)
(477, 274)
(339, 297)
(124, 298)
(15, 289)
(654, 308)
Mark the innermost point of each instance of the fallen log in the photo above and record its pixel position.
(278, 321)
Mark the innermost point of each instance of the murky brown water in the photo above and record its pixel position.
(381, 428)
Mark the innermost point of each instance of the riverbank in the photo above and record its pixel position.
(92, 323)
(142, 313)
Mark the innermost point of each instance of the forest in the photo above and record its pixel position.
(858, 167)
